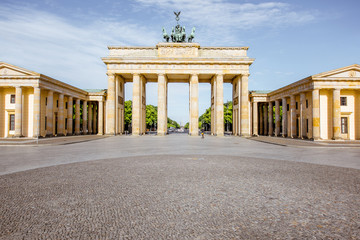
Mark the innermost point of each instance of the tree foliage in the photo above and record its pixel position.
(186, 125)
(151, 116)
(128, 113)
(172, 123)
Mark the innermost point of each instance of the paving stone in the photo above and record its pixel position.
(181, 197)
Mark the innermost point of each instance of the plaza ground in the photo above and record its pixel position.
(179, 187)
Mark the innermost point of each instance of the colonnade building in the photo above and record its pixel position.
(321, 107)
(35, 105)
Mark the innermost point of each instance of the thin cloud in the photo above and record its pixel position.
(51, 45)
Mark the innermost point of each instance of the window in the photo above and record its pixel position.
(344, 125)
(307, 125)
(296, 105)
(287, 107)
(45, 123)
(66, 105)
(343, 101)
(46, 101)
(12, 122)
(307, 103)
(12, 98)
(65, 123)
(57, 103)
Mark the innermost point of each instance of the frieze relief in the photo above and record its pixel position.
(177, 52)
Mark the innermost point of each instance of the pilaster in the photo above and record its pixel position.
(316, 114)
(336, 115)
(18, 112)
(37, 111)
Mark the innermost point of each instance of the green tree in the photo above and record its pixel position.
(151, 116)
(186, 125)
(205, 119)
(172, 123)
(128, 113)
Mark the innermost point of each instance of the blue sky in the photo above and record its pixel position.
(290, 40)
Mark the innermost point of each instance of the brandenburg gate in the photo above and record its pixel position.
(177, 61)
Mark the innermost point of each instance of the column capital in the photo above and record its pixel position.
(110, 74)
(245, 74)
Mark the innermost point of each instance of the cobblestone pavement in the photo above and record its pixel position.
(49, 141)
(305, 143)
(181, 197)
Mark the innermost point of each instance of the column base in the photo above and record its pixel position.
(337, 138)
(49, 135)
(100, 134)
(244, 135)
(69, 134)
(60, 135)
(284, 135)
(17, 136)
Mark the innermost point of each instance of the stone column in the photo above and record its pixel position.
(70, 116)
(302, 116)
(316, 114)
(293, 116)
(61, 123)
(261, 117)
(213, 105)
(90, 120)
(194, 105)
(244, 115)
(94, 118)
(271, 119)
(284, 118)
(162, 93)
(77, 117)
(136, 105)
(37, 111)
(277, 118)
(49, 114)
(84, 117)
(18, 112)
(255, 119)
(219, 105)
(336, 115)
(101, 118)
(266, 123)
(110, 105)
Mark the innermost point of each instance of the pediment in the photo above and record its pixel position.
(352, 71)
(11, 70)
